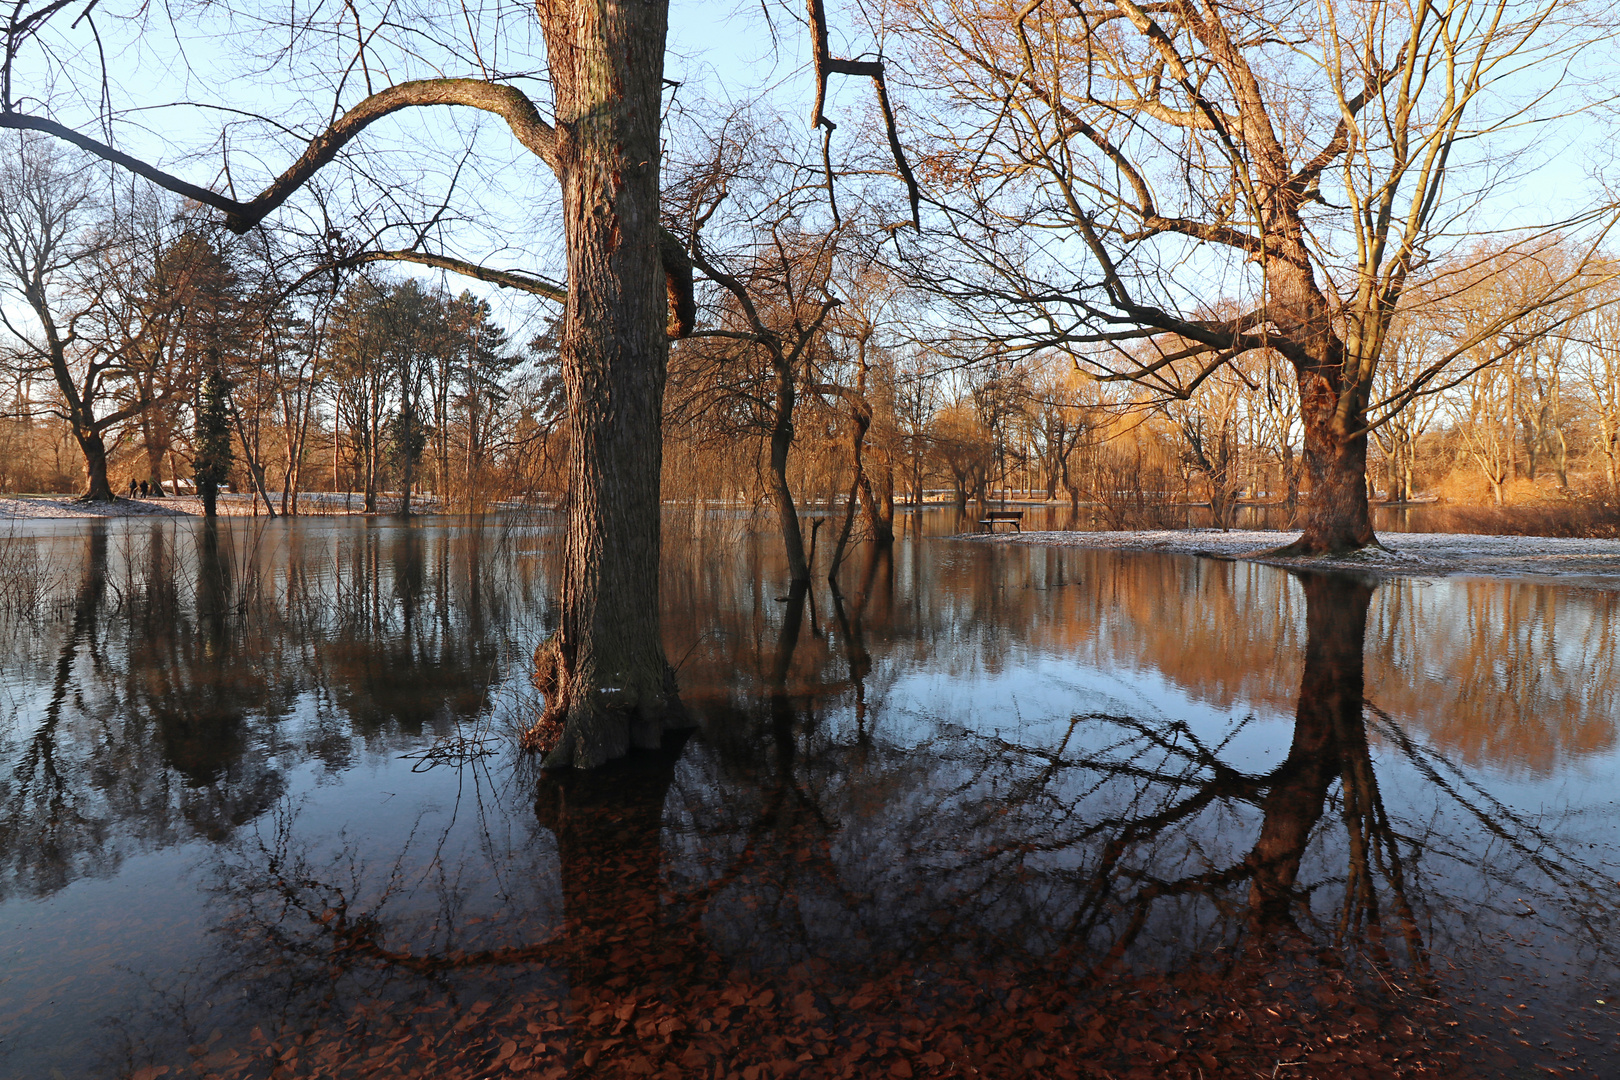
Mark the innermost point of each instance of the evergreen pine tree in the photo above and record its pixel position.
(212, 464)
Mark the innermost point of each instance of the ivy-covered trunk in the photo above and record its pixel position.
(212, 464)
(607, 682)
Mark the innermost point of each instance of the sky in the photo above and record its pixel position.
(720, 51)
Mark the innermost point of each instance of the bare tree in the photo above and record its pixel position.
(1598, 370)
(296, 311)
(967, 450)
(1482, 420)
(56, 244)
(1412, 340)
(854, 377)
(158, 288)
(1311, 163)
(1210, 426)
(608, 683)
(750, 366)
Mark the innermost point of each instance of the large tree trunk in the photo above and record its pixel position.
(95, 465)
(861, 415)
(1333, 409)
(1073, 488)
(155, 441)
(882, 526)
(609, 686)
(85, 430)
(787, 515)
(1337, 517)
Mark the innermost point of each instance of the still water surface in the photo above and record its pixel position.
(1015, 810)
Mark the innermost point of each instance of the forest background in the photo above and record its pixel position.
(839, 359)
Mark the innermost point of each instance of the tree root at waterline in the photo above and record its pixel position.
(1310, 547)
(586, 724)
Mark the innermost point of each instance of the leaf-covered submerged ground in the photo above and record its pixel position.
(633, 989)
(631, 984)
(1197, 1026)
(1018, 813)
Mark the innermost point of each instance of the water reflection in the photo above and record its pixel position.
(165, 694)
(1019, 813)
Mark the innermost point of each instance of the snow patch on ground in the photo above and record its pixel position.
(1406, 554)
(67, 506)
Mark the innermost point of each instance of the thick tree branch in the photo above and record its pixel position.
(827, 64)
(505, 101)
(506, 279)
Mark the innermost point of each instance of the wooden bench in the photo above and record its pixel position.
(1015, 518)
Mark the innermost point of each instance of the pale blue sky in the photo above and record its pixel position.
(722, 50)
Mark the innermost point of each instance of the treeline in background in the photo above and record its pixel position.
(822, 374)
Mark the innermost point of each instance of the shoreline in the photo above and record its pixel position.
(49, 507)
(1405, 554)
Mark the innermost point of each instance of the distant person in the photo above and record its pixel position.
(144, 489)
(132, 487)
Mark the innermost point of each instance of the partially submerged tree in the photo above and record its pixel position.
(608, 683)
(1313, 162)
(762, 345)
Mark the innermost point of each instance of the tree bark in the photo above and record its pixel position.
(611, 687)
(1337, 517)
(154, 441)
(787, 515)
(95, 464)
(1333, 409)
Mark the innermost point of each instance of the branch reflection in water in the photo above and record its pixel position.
(857, 865)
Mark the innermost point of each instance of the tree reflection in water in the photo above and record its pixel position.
(161, 696)
(849, 869)
(774, 898)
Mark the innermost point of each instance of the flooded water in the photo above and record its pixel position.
(994, 811)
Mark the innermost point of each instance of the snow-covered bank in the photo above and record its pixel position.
(1409, 553)
(67, 506)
